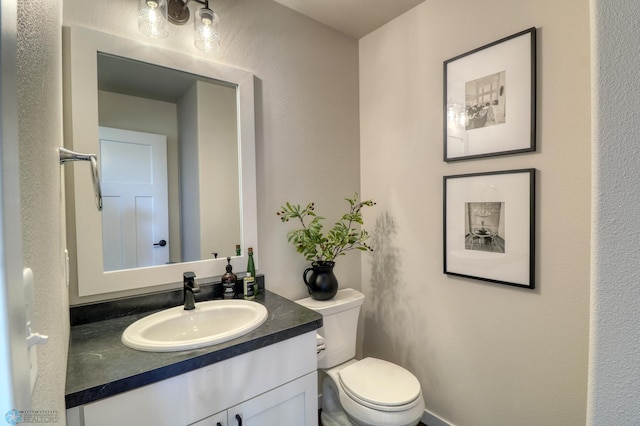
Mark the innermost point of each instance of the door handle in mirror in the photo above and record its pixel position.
(160, 243)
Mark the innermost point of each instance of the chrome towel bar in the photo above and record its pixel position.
(68, 155)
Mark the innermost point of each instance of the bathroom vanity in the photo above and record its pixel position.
(266, 377)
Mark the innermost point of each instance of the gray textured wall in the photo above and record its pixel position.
(485, 354)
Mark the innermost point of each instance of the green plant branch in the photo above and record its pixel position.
(342, 238)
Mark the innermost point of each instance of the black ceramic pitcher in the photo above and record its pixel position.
(322, 283)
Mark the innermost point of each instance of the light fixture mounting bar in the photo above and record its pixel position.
(178, 11)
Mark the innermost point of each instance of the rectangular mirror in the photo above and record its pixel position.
(175, 139)
(168, 155)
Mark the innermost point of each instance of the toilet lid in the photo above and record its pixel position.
(379, 382)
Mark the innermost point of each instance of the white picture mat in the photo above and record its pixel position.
(511, 188)
(514, 57)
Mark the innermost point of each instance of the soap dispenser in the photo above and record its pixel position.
(229, 282)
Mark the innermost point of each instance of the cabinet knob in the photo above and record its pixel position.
(239, 419)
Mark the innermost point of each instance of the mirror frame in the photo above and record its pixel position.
(81, 134)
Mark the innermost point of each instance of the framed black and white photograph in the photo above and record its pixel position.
(489, 226)
(490, 99)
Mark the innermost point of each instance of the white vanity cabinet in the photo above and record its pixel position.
(274, 385)
(289, 404)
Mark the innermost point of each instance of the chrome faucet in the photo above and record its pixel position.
(189, 288)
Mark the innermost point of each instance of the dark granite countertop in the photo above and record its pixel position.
(99, 365)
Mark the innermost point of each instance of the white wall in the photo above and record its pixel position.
(306, 114)
(614, 365)
(218, 166)
(485, 354)
(15, 387)
(209, 171)
(40, 135)
(189, 173)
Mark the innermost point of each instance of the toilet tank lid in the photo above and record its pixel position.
(347, 298)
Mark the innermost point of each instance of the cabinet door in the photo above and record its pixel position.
(292, 404)
(219, 419)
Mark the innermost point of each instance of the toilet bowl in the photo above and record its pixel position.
(371, 392)
(367, 392)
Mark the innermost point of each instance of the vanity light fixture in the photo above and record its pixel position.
(153, 16)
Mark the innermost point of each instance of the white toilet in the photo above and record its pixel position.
(369, 392)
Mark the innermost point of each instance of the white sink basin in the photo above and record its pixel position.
(210, 323)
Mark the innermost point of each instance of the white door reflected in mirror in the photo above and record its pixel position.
(135, 199)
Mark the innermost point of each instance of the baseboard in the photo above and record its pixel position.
(431, 419)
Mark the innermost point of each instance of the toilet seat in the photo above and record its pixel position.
(380, 385)
(358, 410)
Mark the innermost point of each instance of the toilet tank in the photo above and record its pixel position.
(340, 325)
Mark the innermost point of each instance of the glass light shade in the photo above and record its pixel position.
(152, 18)
(207, 30)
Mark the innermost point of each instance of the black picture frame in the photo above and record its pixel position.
(489, 226)
(490, 99)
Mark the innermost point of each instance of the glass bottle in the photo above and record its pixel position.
(251, 268)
